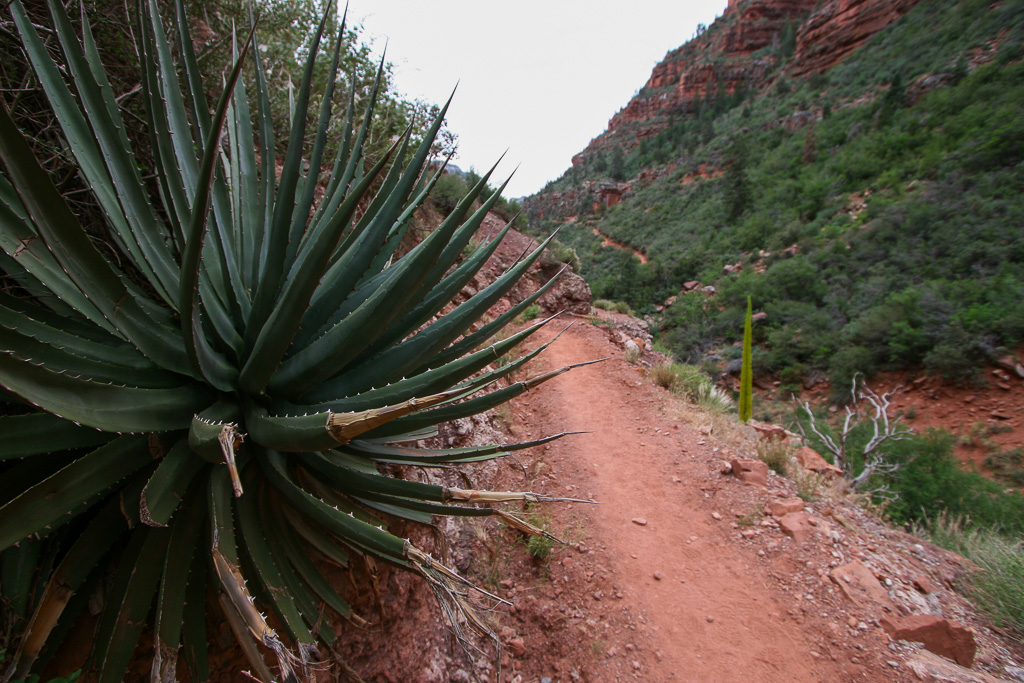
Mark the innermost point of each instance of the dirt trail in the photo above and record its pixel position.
(708, 606)
(607, 241)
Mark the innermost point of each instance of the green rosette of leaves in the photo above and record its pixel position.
(197, 405)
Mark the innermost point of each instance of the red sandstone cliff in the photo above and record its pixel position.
(727, 57)
(839, 27)
(734, 54)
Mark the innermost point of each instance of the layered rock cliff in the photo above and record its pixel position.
(743, 51)
(839, 27)
(733, 54)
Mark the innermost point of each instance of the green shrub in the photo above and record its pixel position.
(558, 252)
(530, 312)
(624, 308)
(931, 481)
(844, 365)
(540, 547)
(957, 358)
(448, 192)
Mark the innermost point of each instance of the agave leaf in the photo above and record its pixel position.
(418, 510)
(345, 341)
(328, 545)
(17, 571)
(73, 485)
(205, 360)
(306, 601)
(255, 544)
(300, 215)
(332, 467)
(40, 274)
(353, 258)
(244, 174)
(193, 626)
(424, 382)
(337, 183)
(245, 637)
(242, 614)
(264, 204)
(103, 406)
(283, 540)
(21, 475)
(155, 53)
(340, 278)
(396, 232)
(169, 175)
(324, 430)
(135, 585)
(40, 433)
(484, 333)
(411, 423)
(386, 453)
(356, 149)
(426, 349)
(79, 338)
(222, 263)
(84, 365)
(276, 264)
(170, 611)
(440, 295)
(400, 511)
(350, 529)
(284, 320)
(166, 488)
(103, 159)
(77, 255)
(222, 521)
(226, 296)
(85, 553)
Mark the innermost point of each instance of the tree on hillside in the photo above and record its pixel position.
(616, 165)
(810, 144)
(735, 184)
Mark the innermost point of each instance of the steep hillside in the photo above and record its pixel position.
(855, 167)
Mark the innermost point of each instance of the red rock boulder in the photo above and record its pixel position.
(809, 459)
(939, 635)
(751, 472)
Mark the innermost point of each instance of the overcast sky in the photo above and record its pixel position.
(538, 78)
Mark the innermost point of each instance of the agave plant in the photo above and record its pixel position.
(200, 405)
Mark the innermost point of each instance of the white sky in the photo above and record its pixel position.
(538, 78)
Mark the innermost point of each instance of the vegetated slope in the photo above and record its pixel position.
(872, 209)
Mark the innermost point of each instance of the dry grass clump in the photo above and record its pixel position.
(777, 455)
(694, 384)
(999, 587)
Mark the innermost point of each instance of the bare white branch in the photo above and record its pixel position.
(883, 429)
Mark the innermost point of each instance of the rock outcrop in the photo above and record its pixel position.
(720, 61)
(939, 635)
(740, 52)
(839, 27)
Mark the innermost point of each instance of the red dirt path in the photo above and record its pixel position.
(709, 608)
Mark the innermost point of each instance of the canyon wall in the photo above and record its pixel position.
(739, 52)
